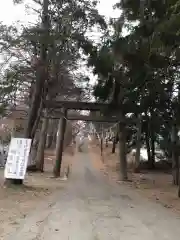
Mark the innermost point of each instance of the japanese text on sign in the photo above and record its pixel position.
(17, 159)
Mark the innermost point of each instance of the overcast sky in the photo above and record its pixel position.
(10, 13)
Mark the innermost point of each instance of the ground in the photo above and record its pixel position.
(91, 207)
(16, 203)
(154, 185)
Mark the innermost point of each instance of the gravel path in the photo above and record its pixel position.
(91, 208)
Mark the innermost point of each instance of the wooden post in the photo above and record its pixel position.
(138, 145)
(179, 179)
(49, 139)
(122, 152)
(115, 140)
(101, 146)
(101, 141)
(60, 144)
(175, 157)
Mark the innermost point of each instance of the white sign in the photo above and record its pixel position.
(17, 159)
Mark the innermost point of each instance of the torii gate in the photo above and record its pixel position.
(64, 106)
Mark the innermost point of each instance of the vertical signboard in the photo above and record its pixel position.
(17, 159)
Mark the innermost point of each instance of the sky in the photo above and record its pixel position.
(10, 13)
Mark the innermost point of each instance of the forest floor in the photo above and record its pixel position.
(17, 202)
(154, 185)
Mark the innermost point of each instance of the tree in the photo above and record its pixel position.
(46, 53)
(140, 71)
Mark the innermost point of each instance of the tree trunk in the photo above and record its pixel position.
(55, 129)
(152, 162)
(36, 124)
(101, 145)
(122, 152)
(147, 137)
(49, 140)
(106, 143)
(39, 84)
(179, 180)
(50, 134)
(41, 72)
(68, 135)
(175, 160)
(114, 145)
(175, 170)
(41, 146)
(138, 146)
(101, 141)
(60, 144)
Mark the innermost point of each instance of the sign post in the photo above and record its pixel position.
(17, 159)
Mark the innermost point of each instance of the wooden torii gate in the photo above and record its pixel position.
(64, 106)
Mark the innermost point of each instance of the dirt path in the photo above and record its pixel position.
(92, 208)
